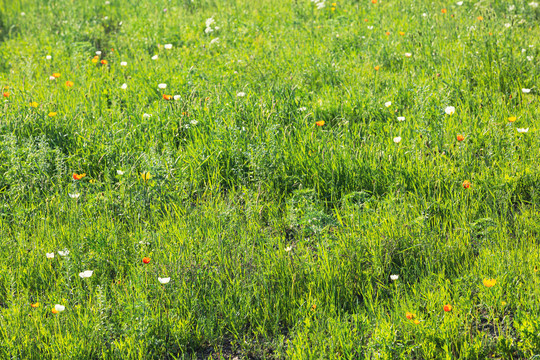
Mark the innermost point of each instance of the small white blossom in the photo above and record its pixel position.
(52, 78)
(459, 3)
(388, 103)
(530, 58)
(123, 87)
(194, 122)
(397, 139)
(59, 307)
(123, 63)
(241, 94)
(86, 274)
(533, 4)
(162, 86)
(522, 130)
(303, 108)
(155, 57)
(288, 248)
(507, 25)
(48, 57)
(146, 116)
(394, 277)
(408, 55)
(120, 172)
(98, 53)
(177, 97)
(168, 46)
(74, 195)
(370, 27)
(50, 255)
(511, 7)
(164, 280)
(526, 91)
(214, 41)
(450, 110)
(63, 253)
(401, 118)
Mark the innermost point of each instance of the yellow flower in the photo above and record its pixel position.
(56, 75)
(480, 18)
(503, 303)
(52, 114)
(512, 118)
(146, 176)
(416, 322)
(34, 305)
(34, 104)
(489, 282)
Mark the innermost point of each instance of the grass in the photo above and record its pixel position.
(279, 235)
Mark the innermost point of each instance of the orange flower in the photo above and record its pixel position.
(167, 97)
(409, 315)
(443, 11)
(416, 322)
(466, 184)
(377, 68)
(512, 118)
(69, 83)
(401, 33)
(6, 94)
(104, 62)
(56, 75)
(387, 33)
(447, 308)
(313, 307)
(95, 59)
(489, 282)
(54, 311)
(320, 123)
(365, 20)
(480, 18)
(34, 305)
(373, 1)
(146, 260)
(460, 137)
(78, 176)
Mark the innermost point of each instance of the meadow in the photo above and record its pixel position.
(264, 179)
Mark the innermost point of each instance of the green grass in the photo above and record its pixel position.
(279, 235)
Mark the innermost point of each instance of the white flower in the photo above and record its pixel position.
(106, 18)
(533, 4)
(98, 53)
(63, 253)
(162, 86)
(86, 274)
(526, 91)
(522, 130)
(164, 280)
(209, 21)
(155, 57)
(241, 94)
(194, 122)
(424, 14)
(59, 307)
(388, 103)
(123, 87)
(523, 50)
(177, 97)
(50, 255)
(23, 14)
(370, 27)
(48, 57)
(213, 41)
(120, 172)
(394, 277)
(74, 195)
(401, 118)
(107, 3)
(146, 116)
(123, 63)
(288, 248)
(52, 78)
(168, 46)
(507, 25)
(303, 108)
(408, 54)
(397, 139)
(208, 30)
(530, 58)
(459, 3)
(450, 110)
(320, 5)
(511, 7)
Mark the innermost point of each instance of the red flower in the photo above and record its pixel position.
(447, 308)
(6, 94)
(78, 176)
(146, 260)
(466, 184)
(460, 137)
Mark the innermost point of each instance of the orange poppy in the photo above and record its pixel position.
(373, 1)
(489, 282)
(54, 311)
(480, 18)
(416, 322)
(460, 137)
(387, 33)
(78, 176)
(34, 305)
(6, 94)
(167, 97)
(466, 184)
(512, 118)
(320, 123)
(146, 260)
(447, 308)
(377, 68)
(95, 59)
(401, 33)
(56, 75)
(443, 11)
(104, 62)
(409, 315)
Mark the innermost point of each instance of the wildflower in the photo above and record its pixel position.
(511, 8)
(530, 58)
(98, 53)
(86, 274)
(155, 57)
(74, 195)
(466, 184)
(503, 303)
(447, 308)
(78, 176)
(168, 46)
(450, 110)
(104, 62)
(373, 1)
(167, 97)
(533, 4)
(120, 172)
(214, 41)
(489, 282)
(59, 308)
(409, 315)
(48, 57)
(408, 55)
(241, 94)
(288, 248)
(394, 277)
(443, 11)
(54, 311)
(319, 123)
(146, 116)
(388, 103)
(397, 139)
(387, 33)
(52, 114)
(401, 118)
(460, 137)
(5, 94)
(522, 130)
(49, 255)
(34, 305)
(370, 27)
(526, 91)
(146, 176)
(193, 122)
(146, 260)
(95, 59)
(459, 3)
(401, 33)
(313, 307)
(377, 68)
(124, 86)
(164, 280)
(63, 253)
(512, 119)
(507, 25)
(162, 86)
(177, 97)
(34, 104)
(123, 63)
(416, 322)
(480, 18)
(69, 83)
(56, 75)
